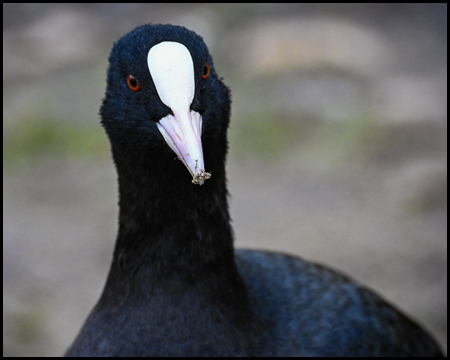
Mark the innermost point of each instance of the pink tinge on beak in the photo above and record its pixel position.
(182, 133)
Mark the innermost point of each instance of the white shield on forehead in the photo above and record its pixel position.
(170, 64)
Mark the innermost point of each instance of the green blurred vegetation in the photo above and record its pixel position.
(271, 136)
(30, 138)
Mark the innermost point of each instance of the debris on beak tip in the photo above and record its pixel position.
(200, 178)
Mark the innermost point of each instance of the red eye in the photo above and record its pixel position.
(205, 71)
(133, 84)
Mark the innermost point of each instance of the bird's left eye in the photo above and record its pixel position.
(205, 71)
(133, 84)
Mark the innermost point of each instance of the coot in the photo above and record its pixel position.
(176, 286)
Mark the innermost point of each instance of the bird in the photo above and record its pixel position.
(176, 285)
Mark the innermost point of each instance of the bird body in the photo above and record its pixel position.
(177, 286)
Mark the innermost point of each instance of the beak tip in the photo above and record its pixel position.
(201, 177)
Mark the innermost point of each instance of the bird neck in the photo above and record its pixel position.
(172, 231)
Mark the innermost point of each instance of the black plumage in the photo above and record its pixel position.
(176, 285)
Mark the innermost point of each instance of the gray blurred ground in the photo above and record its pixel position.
(338, 150)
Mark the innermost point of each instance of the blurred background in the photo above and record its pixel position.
(338, 149)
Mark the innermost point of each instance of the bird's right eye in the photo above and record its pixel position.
(133, 84)
(206, 71)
